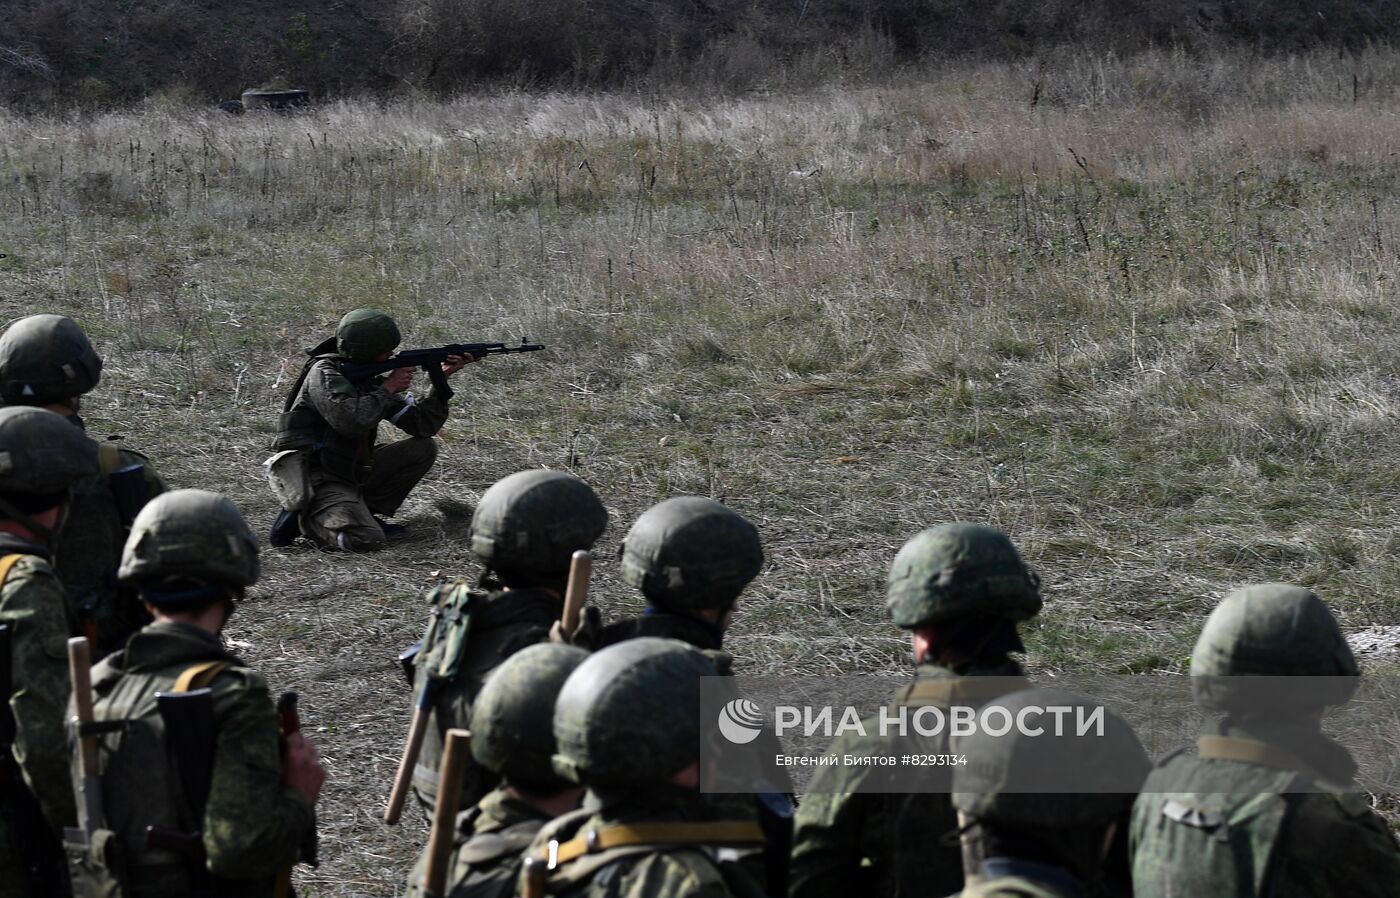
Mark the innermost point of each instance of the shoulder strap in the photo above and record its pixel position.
(1250, 751)
(7, 564)
(199, 675)
(628, 835)
(109, 458)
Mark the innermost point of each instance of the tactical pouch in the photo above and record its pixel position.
(289, 475)
(98, 868)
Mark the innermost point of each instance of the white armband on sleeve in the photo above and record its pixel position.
(408, 403)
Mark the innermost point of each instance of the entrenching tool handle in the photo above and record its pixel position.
(580, 572)
(449, 801)
(535, 872)
(422, 713)
(80, 672)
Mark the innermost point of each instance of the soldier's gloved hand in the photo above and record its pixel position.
(590, 625)
(301, 767)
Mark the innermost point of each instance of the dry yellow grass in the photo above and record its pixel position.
(1147, 325)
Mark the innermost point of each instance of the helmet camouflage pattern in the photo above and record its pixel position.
(1096, 775)
(44, 359)
(42, 452)
(629, 715)
(512, 720)
(691, 553)
(956, 571)
(190, 535)
(1272, 630)
(366, 334)
(534, 521)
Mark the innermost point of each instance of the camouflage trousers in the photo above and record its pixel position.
(341, 514)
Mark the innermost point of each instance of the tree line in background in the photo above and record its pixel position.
(100, 52)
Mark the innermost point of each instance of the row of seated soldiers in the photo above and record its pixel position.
(585, 749)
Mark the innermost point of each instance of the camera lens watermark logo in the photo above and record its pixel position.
(740, 721)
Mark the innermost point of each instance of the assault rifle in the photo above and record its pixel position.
(430, 360)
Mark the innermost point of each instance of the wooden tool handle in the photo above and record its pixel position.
(404, 778)
(80, 672)
(449, 802)
(535, 873)
(580, 573)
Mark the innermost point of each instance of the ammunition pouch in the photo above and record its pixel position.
(289, 475)
(98, 865)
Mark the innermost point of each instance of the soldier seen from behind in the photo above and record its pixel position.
(1267, 806)
(334, 483)
(41, 458)
(1021, 839)
(525, 530)
(512, 727)
(200, 795)
(960, 589)
(627, 726)
(47, 361)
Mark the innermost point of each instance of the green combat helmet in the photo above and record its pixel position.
(41, 457)
(690, 553)
(365, 334)
(533, 522)
(1008, 778)
(46, 359)
(186, 545)
(629, 715)
(512, 720)
(1272, 630)
(956, 571)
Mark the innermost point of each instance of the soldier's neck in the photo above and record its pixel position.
(551, 804)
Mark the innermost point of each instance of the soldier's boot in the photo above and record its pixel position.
(285, 529)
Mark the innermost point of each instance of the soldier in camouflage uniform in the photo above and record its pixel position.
(47, 361)
(960, 589)
(1022, 841)
(41, 457)
(512, 728)
(228, 826)
(525, 530)
(1267, 806)
(627, 726)
(331, 425)
(691, 558)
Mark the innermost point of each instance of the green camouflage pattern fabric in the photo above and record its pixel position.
(1272, 630)
(500, 623)
(512, 722)
(488, 850)
(628, 715)
(191, 534)
(32, 604)
(689, 871)
(863, 843)
(960, 570)
(366, 334)
(46, 359)
(1232, 829)
(253, 826)
(534, 521)
(88, 552)
(688, 553)
(1099, 773)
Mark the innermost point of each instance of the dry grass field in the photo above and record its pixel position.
(1141, 313)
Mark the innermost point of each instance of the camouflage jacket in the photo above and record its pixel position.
(1009, 878)
(494, 626)
(853, 842)
(1286, 826)
(337, 421)
(489, 848)
(676, 870)
(32, 605)
(89, 551)
(252, 826)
